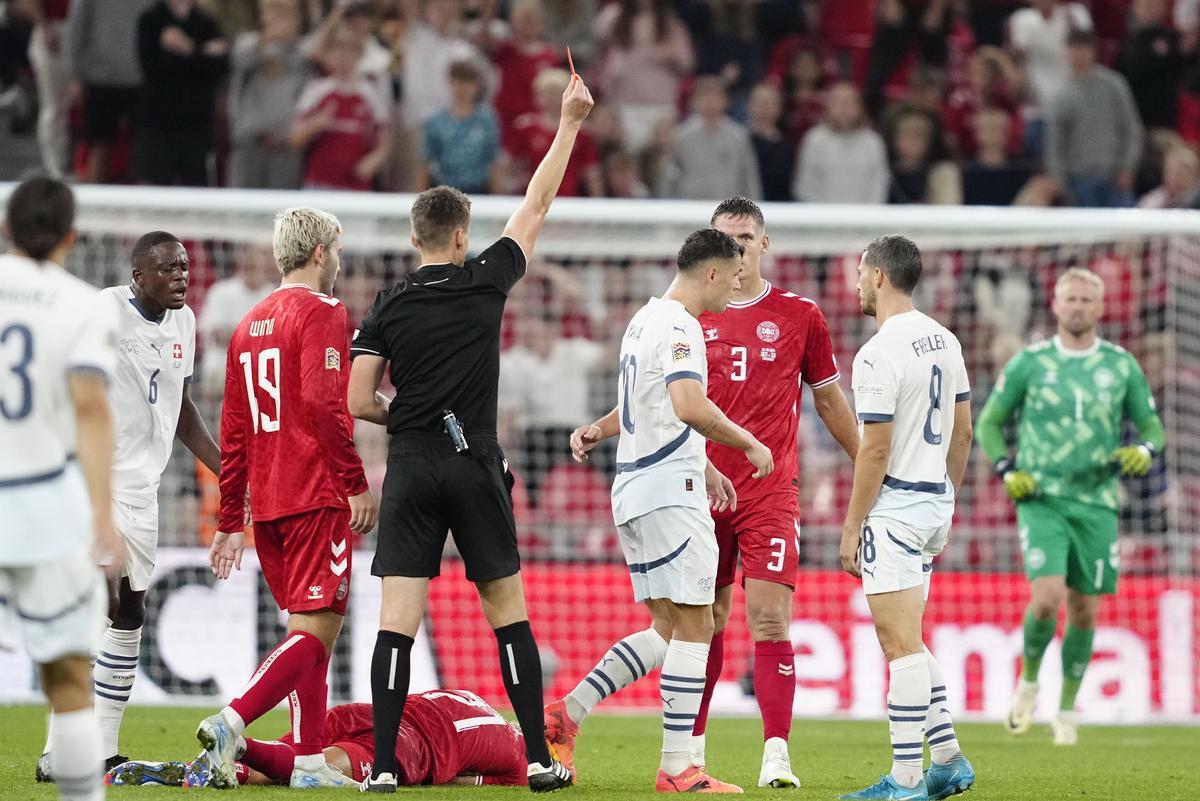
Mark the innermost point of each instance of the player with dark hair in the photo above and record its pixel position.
(660, 500)
(151, 408)
(287, 437)
(57, 353)
(446, 470)
(446, 737)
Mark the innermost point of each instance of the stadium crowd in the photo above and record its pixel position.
(992, 102)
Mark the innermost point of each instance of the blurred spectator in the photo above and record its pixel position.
(1038, 38)
(774, 152)
(710, 155)
(183, 60)
(726, 42)
(622, 177)
(101, 46)
(993, 178)
(988, 19)
(842, 160)
(645, 54)
(340, 123)
(1180, 187)
(803, 92)
(462, 143)
(48, 58)
(1152, 62)
(226, 302)
(519, 59)
(534, 132)
(356, 18)
(569, 23)
(1094, 137)
(604, 127)
(993, 81)
(917, 175)
(234, 16)
(899, 25)
(268, 74)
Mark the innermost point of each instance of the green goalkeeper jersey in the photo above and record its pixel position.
(1072, 407)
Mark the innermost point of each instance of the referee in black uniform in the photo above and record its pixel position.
(440, 329)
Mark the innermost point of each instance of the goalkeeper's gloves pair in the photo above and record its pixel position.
(1019, 484)
(1134, 460)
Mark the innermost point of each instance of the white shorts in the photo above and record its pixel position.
(138, 527)
(894, 556)
(59, 606)
(672, 554)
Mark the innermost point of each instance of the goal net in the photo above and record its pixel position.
(988, 276)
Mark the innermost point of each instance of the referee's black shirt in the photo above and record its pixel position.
(440, 329)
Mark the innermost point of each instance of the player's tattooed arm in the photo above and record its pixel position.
(694, 408)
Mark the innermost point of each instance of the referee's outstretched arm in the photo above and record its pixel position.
(526, 222)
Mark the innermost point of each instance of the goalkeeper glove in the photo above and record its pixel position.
(1134, 460)
(1019, 484)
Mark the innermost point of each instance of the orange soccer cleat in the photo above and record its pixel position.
(692, 780)
(561, 732)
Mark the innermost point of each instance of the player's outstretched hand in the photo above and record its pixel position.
(226, 552)
(1133, 460)
(364, 512)
(583, 440)
(848, 550)
(109, 548)
(721, 494)
(577, 101)
(760, 456)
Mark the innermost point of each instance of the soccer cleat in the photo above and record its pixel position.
(561, 732)
(954, 777)
(1065, 729)
(543, 779)
(198, 772)
(220, 748)
(1020, 714)
(692, 780)
(41, 773)
(168, 774)
(696, 751)
(886, 789)
(383, 783)
(777, 766)
(325, 776)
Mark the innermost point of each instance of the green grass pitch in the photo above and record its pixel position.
(617, 758)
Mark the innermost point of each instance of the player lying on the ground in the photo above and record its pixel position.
(446, 737)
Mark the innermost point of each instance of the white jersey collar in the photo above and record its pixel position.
(1075, 354)
(744, 304)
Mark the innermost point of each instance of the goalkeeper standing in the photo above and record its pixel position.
(1073, 393)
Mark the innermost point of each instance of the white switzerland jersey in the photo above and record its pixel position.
(660, 460)
(50, 326)
(912, 373)
(155, 361)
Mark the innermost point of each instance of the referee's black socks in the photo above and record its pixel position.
(389, 689)
(521, 667)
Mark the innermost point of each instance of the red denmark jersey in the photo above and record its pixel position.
(760, 352)
(357, 120)
(285, 428)
(530, 141)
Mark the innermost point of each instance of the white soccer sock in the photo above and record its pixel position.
(682, 686)
(236, 724)
(623, 664)
(75, 759)
(908, 704)
(939, 726)
(113, 675)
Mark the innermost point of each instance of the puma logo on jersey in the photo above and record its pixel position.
(680, 329)
(870, 571)
(869, 363)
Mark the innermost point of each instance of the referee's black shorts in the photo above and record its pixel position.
(431, 488)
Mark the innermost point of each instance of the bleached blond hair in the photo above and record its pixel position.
(1079, 274)
(298, 231)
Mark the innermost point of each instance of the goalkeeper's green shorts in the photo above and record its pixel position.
(1076, 540)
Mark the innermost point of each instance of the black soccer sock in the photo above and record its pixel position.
(521, 667)
(389, 689)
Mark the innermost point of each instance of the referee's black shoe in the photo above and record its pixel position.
(383, 783)
(544, 779)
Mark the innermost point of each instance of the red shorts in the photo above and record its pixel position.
(765, 532)
(306, 558)
(497, 753)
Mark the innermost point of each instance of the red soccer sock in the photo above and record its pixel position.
(308, 703)
(775, 686)
(274, 760)
(279, 674)
(712, 674)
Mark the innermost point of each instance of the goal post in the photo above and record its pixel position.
(988, 276)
